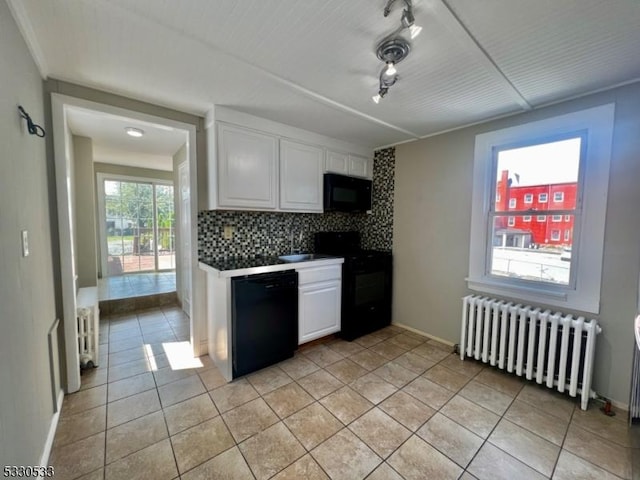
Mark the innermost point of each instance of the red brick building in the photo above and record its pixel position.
(536, 228)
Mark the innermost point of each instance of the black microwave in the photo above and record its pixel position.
(346, 194)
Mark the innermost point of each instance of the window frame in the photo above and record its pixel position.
(561, 197)
(556, 218)
(514, 202)
(530, 197)
(583, 293)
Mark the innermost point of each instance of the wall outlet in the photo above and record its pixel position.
(25, 243)
(228, 232)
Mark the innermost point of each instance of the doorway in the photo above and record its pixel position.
(62, 108)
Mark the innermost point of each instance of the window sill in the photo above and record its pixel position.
(568, 300)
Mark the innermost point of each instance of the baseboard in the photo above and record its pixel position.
(621, 406)
(44, 459)
(424, 334)
(204, 347)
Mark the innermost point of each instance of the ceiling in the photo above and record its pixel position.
(312, 63)
(111, 144)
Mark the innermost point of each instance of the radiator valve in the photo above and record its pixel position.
(606, 407)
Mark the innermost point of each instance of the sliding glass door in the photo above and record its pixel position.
(138, 226)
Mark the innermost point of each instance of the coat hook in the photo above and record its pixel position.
(33, 128)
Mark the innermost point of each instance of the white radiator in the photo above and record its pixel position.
(550, 348)
(87, 316)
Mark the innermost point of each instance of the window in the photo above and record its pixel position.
(558, 196)
(567, 235)
(512, 221)
(556, 218)
(528, 198)
(497, 197)
(137, 224)
(572, 149)
(512, 203)
(526, 218)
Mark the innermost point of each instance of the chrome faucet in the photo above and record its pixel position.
(292, 242)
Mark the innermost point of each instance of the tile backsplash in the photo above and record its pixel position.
(264, 233)
(269, 233)
(377, 229)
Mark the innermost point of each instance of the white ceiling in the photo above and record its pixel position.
(111, 144)
(312, 63)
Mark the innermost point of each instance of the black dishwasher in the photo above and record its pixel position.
(264, 320)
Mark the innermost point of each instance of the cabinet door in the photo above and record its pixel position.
(247, 168)
(318, 310)
(360, 166)
(337, 163)
(300, 176)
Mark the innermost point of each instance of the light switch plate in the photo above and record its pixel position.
(228, 232)
(25, 243)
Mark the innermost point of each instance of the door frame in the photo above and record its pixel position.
(60, 104)
(185, 294)
(102, 219)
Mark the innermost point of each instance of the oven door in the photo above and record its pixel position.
(366, 299)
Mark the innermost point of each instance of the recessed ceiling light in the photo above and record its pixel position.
(134, 132)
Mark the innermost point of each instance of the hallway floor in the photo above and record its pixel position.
(391, 405)
(136, 285)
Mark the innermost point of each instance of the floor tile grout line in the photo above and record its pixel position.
(377, 404)
(564, 439)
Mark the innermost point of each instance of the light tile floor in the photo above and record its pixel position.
(136, 285)
(390, 405)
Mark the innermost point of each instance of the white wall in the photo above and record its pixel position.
(27, 297)
(85, 212)
(432, 215)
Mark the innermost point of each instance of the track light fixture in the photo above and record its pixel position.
(386, 81)
(393, 48)
(408, 21)
(391, 69)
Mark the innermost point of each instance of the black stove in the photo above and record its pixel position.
(366, 282)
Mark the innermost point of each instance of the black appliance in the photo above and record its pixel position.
(346, 194)
(264, 320)
(366, 283)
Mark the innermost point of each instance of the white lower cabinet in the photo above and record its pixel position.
(319, 297)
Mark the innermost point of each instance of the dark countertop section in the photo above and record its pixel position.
(237, 263)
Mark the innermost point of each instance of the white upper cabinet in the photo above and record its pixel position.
(337, 162)
(301, 167)
(247, 168)
(360, 166)
(349, 164)
(257, 164)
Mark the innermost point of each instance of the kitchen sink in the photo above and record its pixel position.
(300, 257)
